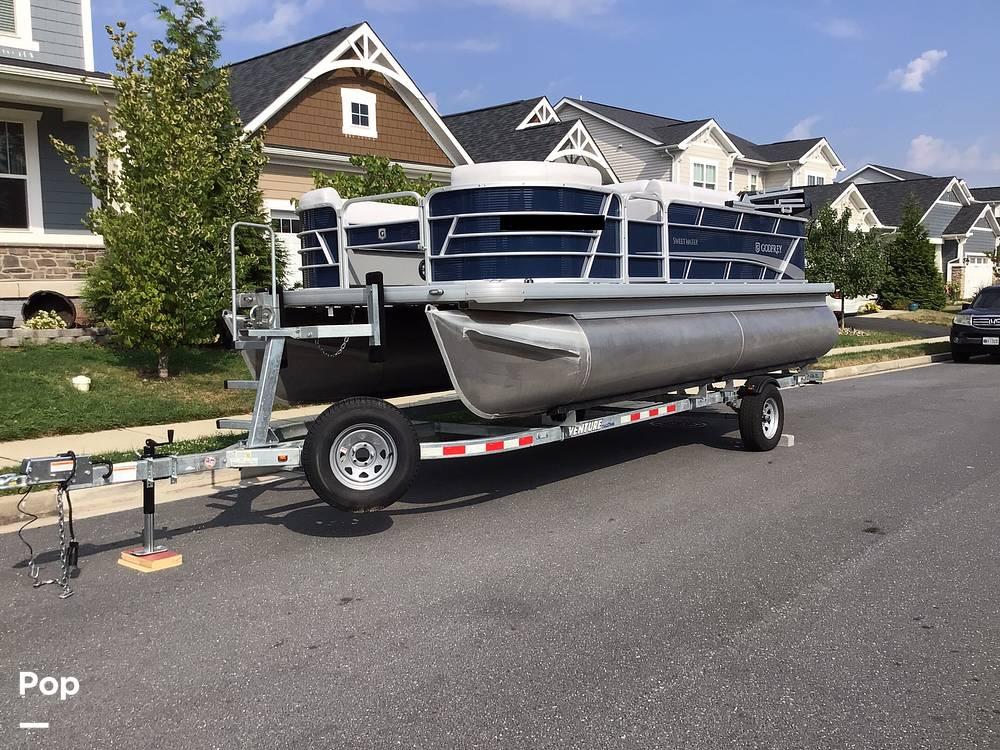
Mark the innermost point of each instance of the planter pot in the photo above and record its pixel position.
(6, 321)
(914, 306)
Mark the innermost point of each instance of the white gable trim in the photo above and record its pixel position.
(853, 199)
(578, 143)
(831, 155)
(719, 133)
(606, 119)
(859, 170)
(964, 194)
(363, 49)
(542, 112)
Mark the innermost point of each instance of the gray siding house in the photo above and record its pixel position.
(963, 229)
(46, 74)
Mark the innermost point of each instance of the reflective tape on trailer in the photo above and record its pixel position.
(483, 446)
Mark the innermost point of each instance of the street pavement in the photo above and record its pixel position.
(650, 587)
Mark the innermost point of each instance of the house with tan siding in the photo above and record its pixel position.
(321, 101)
(641, 146)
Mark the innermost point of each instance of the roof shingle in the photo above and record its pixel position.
(258, 81)
(966, 217)
(888, 199)
(490, 134)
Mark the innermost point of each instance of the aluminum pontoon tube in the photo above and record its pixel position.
(513, 363)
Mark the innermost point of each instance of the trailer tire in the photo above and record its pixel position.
(361, 454)
(762, 418)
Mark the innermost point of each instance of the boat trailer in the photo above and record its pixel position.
(361, 453)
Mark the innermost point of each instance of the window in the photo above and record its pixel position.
(703, 175)
(13, 177)
(359, 113)
(815, 179)
(286, 226)
(730, 180)
(752, 182)
(15, 25)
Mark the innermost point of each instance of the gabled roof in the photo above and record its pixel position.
(891, 172)
(258, 81)
(263, 85)
(988, 194)
(490, 134)
(967, 217)
(818, 196)
(887, 199)
(667, 131)
(506, 132)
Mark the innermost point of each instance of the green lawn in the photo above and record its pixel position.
(932, 317)
(881, 355)
(37, 399)
(870, 337)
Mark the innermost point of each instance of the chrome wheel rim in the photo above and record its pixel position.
(769, 418)
(363, 457)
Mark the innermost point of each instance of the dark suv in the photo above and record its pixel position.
(976, 330)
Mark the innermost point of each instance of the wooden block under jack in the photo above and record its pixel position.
(150, 563)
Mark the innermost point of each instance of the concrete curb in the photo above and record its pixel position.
(887, 345)
(874, 368)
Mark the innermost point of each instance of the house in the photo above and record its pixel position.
(840, 196)
(46, 75)
(639, 145)
(878, 173)
(989, 195)
(963, 230)
(527, 130)
(326, 99)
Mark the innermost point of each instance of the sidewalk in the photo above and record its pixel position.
(132, 438)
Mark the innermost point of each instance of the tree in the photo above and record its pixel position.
(912, 274)
(173, 170)
(378, 176)
(852, 260)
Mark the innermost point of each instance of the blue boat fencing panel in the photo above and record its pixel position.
(554, 232)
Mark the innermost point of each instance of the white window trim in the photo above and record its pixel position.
(21, 39)
(358, 96)
(29, 119)
(705, 163)
(817, 175)
(751, 174)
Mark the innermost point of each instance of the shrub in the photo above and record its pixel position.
(45, 319)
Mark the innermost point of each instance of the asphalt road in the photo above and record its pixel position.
(652, 587)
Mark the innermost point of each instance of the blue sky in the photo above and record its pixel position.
(909, 83)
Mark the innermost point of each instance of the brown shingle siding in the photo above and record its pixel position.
(313, 121)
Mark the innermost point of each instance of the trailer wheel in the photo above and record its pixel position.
(361, 454)
(762, 418)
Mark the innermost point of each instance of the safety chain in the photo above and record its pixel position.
(343, 344)
(64, 554)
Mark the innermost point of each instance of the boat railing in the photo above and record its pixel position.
(380, 226)
(656, 251)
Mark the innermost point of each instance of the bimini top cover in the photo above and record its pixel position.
(362, 212)
(524, 172)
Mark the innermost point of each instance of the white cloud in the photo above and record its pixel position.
(938, 156)
(469, 95)
(911, 78)
(278, 26)
(842, 28)
(471, 44)
(802, 129)
(560, 10)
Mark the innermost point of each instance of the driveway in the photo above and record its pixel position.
(904, 327)
(648, 587)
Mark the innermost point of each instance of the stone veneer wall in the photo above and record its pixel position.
(15, 337)
(39, 263)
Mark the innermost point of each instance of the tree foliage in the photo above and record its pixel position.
(912, 274)
(173, 170)
(378, 175)
(852, 260)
